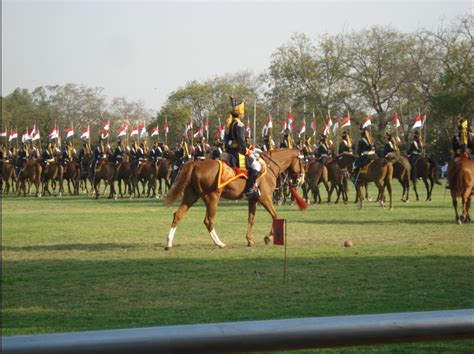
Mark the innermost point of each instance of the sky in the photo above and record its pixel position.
(144, 50)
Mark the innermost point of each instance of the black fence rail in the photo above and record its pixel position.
(249, 336)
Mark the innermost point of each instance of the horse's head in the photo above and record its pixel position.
(297, 169)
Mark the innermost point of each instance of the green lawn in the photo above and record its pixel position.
(76, 263)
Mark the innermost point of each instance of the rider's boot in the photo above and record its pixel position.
(249, 191)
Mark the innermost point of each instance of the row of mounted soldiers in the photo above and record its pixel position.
(139, 152)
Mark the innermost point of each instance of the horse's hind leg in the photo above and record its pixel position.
(251, 221)
(211, 201)
(427, 186)
(189, 198)
(414, 189)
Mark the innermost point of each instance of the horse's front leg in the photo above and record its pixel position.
(268, 205)
(251, 221)
(359, 195)
(211, 201)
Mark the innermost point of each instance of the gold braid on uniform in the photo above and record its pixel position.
(349, 142)
(463, 133)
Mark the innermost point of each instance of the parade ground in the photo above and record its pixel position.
(76, 263)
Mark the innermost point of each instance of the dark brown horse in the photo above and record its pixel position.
(124, 174)
(337, 178)
(199, 180)
(30, 173)
(316, 173)
(104, 170)
(402, 172)
(427, 170)
(72, 173)
(8, 173)
(379, 171)
(146, 174)
(53, 171)
(163, 173)
(461, 183)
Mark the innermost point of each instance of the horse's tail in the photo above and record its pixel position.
(434, 170)
(182, 181)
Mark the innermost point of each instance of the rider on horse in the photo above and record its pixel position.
(156, 152)
(287, 141)
(345, 146)
(416, 148)
(390, 145)
(322, 151)
(239, 156)
(99, 153)
(200, 149)
(68, 153)
(117, 156)
(460, 140)
(365, 150)
(218, 150)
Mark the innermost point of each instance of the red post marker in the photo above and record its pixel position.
(279, 232)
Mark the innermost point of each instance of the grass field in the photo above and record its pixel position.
(75, 263)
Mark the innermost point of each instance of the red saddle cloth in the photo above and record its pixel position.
(228, 174)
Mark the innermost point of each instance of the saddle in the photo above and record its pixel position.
(228, 174)
(365, 168)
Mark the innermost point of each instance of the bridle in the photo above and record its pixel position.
(299, 179)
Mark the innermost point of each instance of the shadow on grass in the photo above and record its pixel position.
(71, 295)
(73, 247)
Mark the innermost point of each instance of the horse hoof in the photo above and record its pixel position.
(267, 240)
(458, 221)
(250, 243)
(168, 248)
(222, 245)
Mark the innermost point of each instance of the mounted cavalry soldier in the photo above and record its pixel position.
(287, 141)
(239, 156)
(200, 150)
(99, 153)
(34, 152)
(117, 156)
(345, 146)
(416, 148)
(68, 153)
(460, 141)
(365, 150)
(217, 152)
(322, 151)
(390, 144)
(156, 152)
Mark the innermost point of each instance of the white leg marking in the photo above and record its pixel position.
(169, 242)
(216, 239)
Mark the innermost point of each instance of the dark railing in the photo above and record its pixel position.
(299, 333)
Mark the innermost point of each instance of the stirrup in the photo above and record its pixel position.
(252, 194)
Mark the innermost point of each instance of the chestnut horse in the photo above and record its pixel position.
(72, 173)
(53, 171)
(461, 184)
(146, 172)
(8, 172)
(104, 171)
(31, 172)
(199, 179)
(379, 171)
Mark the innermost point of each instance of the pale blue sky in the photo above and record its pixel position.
(144, 50)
